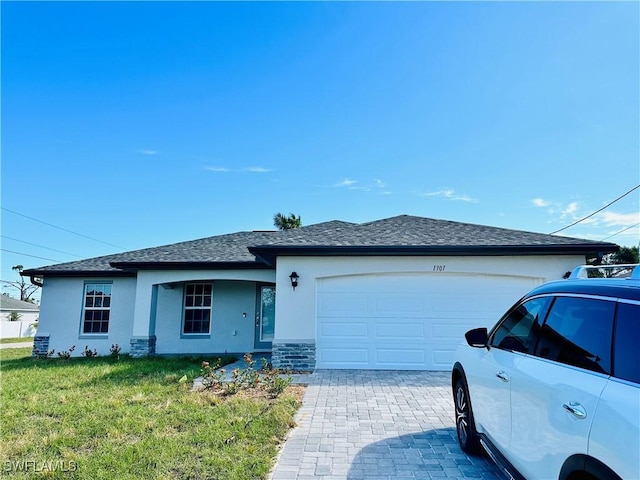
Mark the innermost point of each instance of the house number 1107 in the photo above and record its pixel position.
(439, 268)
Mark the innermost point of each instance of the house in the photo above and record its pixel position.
(396, 293)
(17, 317)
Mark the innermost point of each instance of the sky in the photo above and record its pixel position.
(128, 125)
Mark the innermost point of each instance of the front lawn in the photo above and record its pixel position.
(93, 418)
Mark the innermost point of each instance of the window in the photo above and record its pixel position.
(518, 330)
(578, 332)
(626, 362)
(97, 308)
(197, 308)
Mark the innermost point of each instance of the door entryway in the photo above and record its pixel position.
(265, 316)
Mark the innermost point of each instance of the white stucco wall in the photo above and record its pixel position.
(132, 313)
(61, 314)
(296, 310)
(232, 320)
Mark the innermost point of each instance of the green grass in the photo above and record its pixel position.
(16, 340)
(102, 418)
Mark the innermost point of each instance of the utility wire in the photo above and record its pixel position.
(40, 246)
(623, 230)
(597, 211)
(60, 228)
(34, 256)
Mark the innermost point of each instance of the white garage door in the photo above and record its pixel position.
(406, 321)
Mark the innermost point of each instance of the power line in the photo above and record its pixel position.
(34, 256)
(61, 228)
(623, 230)
(40, 246)
(597, 211)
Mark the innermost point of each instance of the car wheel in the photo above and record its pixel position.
(465, 425)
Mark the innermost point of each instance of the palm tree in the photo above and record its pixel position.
(283, 222)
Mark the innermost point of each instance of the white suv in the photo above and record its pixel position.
(552, 391)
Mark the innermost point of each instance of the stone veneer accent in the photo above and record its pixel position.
(294, 356)
(142, 346)
(40, 346)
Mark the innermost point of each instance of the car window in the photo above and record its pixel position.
(517, 332)
(626, 361)
(578, 331)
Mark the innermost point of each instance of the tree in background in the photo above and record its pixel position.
(626, 255)
(283, 222)
(25, 288)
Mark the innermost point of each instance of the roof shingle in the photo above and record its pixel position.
(393, 234)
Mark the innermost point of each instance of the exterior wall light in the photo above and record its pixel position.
(294, 279)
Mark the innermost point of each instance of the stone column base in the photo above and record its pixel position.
(40, 346)
(142, 346)
(294, 356)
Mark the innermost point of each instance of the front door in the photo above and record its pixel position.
(265, 316)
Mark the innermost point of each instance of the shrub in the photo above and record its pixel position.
(249, 377)
(267, 366)
(211, 376)
(66, 354)
(267, 379)
(89, 353)
(275, 384)
(114, 351)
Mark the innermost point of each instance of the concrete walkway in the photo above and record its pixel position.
(377, 425)
(17, 345)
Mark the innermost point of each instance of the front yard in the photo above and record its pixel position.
(126, 418)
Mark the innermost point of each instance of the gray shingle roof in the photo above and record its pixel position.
(9, 303)
(394, 235)
(406, 230)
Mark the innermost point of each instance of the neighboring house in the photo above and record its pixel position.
(25, 315)
(396, 293)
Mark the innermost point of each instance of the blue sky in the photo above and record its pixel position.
(140, 124)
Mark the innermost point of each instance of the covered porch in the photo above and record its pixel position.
(203, 312)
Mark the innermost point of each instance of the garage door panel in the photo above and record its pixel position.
(398, 304)
(400, 331)
(400, 358)
(452, 304)
(406, 321)
(345, 357)
(442, 358)
(338, 303)
(450, 331)
(343, 329)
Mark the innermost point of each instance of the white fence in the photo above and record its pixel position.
(19, 328)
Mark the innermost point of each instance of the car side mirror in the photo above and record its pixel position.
(477, 337)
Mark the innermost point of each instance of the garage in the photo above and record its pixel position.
(409, 321)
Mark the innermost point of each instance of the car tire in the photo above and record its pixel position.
(465, 424)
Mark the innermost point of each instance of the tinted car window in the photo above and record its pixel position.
(626, 352)
(578, 332)
(518, 330)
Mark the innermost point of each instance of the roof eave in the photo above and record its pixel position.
(135, 266)
(268, 253)
(76, 273)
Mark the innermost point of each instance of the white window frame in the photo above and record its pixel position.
(90, 304)
(198, 303)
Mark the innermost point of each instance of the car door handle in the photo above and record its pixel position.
(575, 409)
(502, 376)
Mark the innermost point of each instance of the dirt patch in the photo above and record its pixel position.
(295, 391)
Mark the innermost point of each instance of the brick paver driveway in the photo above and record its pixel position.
(357, 424)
